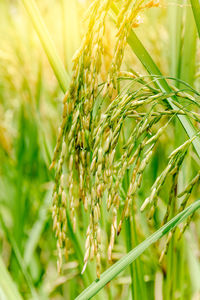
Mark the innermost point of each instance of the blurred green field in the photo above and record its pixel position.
(30, 114)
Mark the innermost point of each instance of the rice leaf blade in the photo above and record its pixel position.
(196, 11)
(47, 43)
(124, 262)
(8, 290)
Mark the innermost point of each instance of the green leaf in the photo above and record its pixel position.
(47, 43)
(124, 262)
(188, 54)
(175, 13)
(8, 289)
(20, 260)
(37, 229)
(196, 11)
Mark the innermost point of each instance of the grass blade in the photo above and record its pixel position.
(124, 262)
(20, 260)
(37, 229)
(175, 26)
(196, 11)
(47, 43)
(8, 290)
(188, 55)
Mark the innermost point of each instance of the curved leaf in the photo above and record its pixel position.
(124, 262)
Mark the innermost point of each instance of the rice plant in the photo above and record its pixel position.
(100, 144)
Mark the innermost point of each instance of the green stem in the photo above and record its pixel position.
(78, 246)
(129, 247)
(175, 26)
(142, 293)
(76, 240)
(171, 255)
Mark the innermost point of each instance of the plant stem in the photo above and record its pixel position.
(129, 247)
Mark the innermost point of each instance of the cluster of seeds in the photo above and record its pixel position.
(128, 18)
(89, 168)
(185, 194)
(74, 138)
